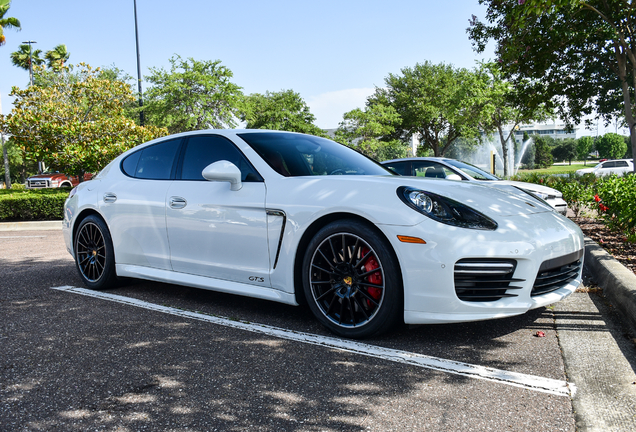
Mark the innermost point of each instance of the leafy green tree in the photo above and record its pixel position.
(192, 95)
(565, 150)
(15, 162)
(23, 57)
(543, 151)
(57, 57)
(365, 130)
(76, 125)
(8, 22)
(505, 107)
(581, 52)
(436, 103)
(584, 147)
(611, 146)
(284, 110)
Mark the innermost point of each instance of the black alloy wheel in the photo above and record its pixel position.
(94, 255)
(352, 281)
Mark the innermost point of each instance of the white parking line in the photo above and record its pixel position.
(530, 382)
(15, 237)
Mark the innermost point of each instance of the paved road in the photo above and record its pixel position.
(151, 356)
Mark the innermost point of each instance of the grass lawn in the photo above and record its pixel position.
(560, 169)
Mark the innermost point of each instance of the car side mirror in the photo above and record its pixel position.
(453, 177)
(223, 171)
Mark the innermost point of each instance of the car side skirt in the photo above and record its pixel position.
(212, 284)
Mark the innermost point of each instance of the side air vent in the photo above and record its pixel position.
(481, 280)
(558, 272)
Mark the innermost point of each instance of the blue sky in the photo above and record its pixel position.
(333, 53)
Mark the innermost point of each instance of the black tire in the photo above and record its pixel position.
(352, 280)
(94, 256)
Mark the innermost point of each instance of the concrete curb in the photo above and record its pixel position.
(616, 280)
(31, 226)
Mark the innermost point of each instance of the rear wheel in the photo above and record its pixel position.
(352, 280)
(94, 254)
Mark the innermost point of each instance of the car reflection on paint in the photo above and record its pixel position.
(452, 169)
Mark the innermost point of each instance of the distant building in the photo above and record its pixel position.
(554, 130)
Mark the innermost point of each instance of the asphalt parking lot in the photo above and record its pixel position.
(150, 356)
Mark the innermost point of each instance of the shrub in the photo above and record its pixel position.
(29, 205)
(615, 199)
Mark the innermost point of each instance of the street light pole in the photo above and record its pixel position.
(30, 59)
(141, 102)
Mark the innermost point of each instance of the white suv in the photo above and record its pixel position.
(616, 166)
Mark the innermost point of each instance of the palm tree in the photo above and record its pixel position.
(57, 57)
(8, 22)
(23, 57)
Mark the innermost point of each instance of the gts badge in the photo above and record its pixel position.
(256, 279)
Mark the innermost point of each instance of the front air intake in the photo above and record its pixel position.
(557, 273)
(485, 280)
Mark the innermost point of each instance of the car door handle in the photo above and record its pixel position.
(177, 202)
(110, 197)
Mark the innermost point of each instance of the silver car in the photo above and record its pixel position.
(452, 169)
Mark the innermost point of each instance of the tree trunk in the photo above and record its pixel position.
(627, 104)
(504, 151)
(7, 174)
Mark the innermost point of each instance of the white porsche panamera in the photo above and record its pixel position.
(295, 218)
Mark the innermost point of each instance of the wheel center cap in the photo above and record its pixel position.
(348, 280)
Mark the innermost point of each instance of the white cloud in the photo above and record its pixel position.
(329, 107)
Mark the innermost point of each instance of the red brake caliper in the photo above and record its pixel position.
(375, 278)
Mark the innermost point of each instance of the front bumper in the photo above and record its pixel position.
(428, 270)
(559, 205)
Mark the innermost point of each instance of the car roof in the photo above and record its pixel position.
(422, 158)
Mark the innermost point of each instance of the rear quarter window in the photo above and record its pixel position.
(154, 162)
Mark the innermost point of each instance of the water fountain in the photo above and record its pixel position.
(480, 155)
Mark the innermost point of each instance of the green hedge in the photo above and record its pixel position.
(30, 205)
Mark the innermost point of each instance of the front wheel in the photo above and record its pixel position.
(94, 256)
(352, 280)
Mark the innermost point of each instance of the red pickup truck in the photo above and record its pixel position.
(54, 179)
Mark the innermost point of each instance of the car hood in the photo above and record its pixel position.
(365, 192)
(532, 187)
(585, 170)
(503, 200)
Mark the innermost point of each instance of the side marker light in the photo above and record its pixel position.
(408, 239)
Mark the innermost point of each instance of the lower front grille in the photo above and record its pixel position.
(557, 273)
(480, 280)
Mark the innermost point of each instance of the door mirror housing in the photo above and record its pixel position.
(223, 171)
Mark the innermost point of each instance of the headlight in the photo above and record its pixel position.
(72, 192)
(445, 210)
(541, 195)
(537, 195)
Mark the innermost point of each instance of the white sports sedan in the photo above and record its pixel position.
(295, 218)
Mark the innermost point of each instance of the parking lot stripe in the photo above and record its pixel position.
(530, 382)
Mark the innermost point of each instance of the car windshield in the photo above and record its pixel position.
(294, 155)
(471, 170)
